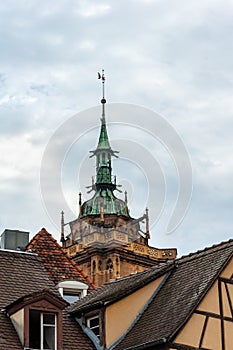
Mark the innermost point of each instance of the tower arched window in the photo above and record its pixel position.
(94, 266)
(109, 265)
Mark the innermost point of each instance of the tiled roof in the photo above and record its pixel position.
(8, 337)
(188, 282)
(114, 290)
(74, 337)
(20, 274)
(189, 278)
(56, 260)
(23, 274)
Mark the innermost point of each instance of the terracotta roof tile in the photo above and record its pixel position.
(56, 260)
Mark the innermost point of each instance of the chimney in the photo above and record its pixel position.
(14, 239)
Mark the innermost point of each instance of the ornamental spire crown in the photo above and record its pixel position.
(104, 183)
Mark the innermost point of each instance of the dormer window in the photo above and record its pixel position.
(37, 319)
(72, 291)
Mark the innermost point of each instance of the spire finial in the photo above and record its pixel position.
(102, 77)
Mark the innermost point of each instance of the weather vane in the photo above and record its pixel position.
(102, 77)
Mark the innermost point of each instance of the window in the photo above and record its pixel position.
(109, 265)
(71, 295)
(72, 291)
(94, 324)
(42, 330)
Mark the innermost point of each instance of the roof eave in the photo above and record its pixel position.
(86, 308)
(147, 345)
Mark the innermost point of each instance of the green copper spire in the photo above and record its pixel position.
(103, 152)
(104, 182)
(103, 143)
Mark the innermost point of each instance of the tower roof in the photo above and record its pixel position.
(104, 183)
(108, 201)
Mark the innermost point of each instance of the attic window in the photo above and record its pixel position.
(94, 324)
(42, 330)
(71, 295)
(72, 291)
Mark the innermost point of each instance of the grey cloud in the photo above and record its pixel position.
(173, 57)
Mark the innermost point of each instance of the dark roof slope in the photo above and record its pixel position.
(179, 296)
(73, 336)
(114, 290)
(20, 274)
(55, 259)
(23, 274)
(8, 337)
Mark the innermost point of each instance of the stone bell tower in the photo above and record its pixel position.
(105, 240)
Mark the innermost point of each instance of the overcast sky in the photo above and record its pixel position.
(172, 57)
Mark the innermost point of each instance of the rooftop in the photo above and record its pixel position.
(22, 276)
(55, 259)
(188, 282)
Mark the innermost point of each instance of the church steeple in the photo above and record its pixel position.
(105, 240)
(104, 183)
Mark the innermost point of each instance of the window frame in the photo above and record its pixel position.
(41, 301)
(68, 292)
(42, 326)
(89, 319)
(45, 307)
(73, 287)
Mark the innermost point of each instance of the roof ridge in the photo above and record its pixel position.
(44, 232)
(43, 291)
(17, 252)
(137, 273)
(206, 250)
